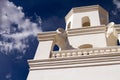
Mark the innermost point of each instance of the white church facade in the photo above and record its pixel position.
(88, 48)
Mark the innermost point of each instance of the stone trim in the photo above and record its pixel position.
(85, 9)
(75, 62)
(88, 30)
(117, 27)
(45, 36)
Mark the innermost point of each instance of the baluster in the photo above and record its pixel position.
(79, 53)
(118, 49)
(63, 55)
(68, 54)
(90, 52)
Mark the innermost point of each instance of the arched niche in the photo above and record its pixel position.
(85, 21)
(86, 46)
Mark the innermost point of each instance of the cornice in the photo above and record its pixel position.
(105, 56)
(86, 9)
(86, 31)
(45, 36)
(117, 27)
(76, 62)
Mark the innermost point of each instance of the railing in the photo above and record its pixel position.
(85, 52)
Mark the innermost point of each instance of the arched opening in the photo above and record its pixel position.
(85, 21)
(55, 48)
(69, 25)
(118, 43)
(85, 46)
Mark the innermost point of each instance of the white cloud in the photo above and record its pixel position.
(19, 57)
(15, 28)
(117, 7)
(8, 76)
(117, 3)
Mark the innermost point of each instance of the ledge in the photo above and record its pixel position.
(117, 27)
(91, 61)
(88, 30)
(86, 9)
(45, 36)
(76, 61)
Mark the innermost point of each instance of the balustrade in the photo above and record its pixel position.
(85, 52)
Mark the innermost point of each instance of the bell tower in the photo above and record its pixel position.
(88, 48)
(86, 16)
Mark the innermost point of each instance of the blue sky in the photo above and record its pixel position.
(21, 20)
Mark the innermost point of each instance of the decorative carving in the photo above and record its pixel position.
(111, 35)
(61, 39)
(111, 30)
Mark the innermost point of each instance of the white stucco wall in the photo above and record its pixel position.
(43, 50)
(111, 72)
(97, 40)
(76, 19)
(69, 20)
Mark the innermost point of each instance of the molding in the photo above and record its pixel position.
(45, 36)
(75, 62)
(87, 30)
(86, 9)
(117, 27)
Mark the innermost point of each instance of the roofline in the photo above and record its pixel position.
(85, 9)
